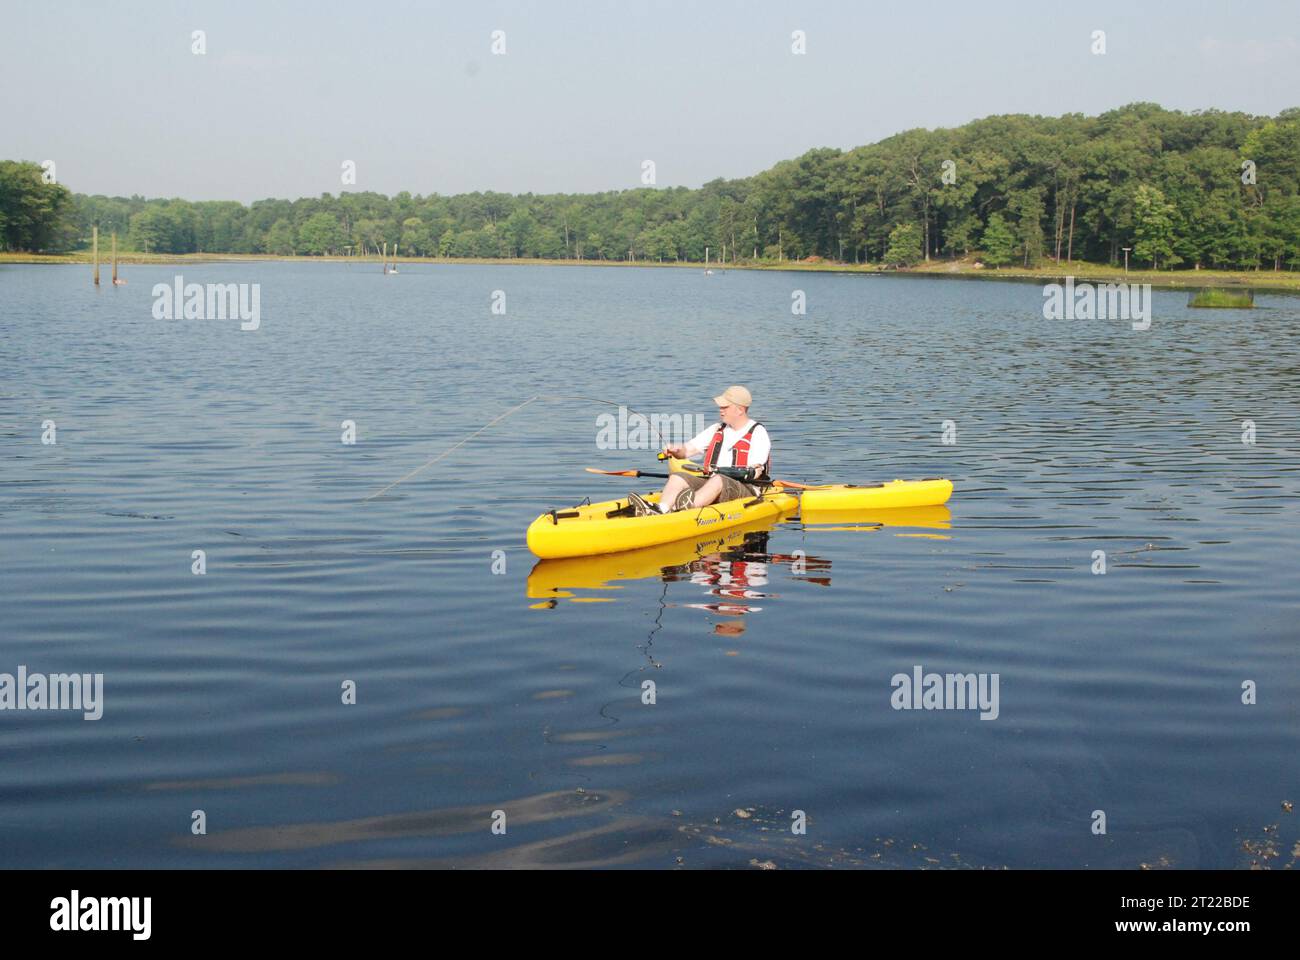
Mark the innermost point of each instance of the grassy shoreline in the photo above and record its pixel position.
(959, 269)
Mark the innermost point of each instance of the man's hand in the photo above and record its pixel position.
(679, 452)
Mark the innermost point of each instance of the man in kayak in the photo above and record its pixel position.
(737, 452)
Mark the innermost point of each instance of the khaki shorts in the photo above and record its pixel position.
(732, 489)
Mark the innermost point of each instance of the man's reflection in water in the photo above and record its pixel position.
(733, 576)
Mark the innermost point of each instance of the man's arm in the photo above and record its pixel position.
(693, 447)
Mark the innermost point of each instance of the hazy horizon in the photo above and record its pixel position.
(414, 96)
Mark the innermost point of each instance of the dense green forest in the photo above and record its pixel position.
(1206, 189)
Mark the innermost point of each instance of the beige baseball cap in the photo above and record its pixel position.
(737, 395)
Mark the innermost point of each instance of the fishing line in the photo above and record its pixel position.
(496, 420)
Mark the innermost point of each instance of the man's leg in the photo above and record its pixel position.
(672, 488)
(679, 483)
(708, 493)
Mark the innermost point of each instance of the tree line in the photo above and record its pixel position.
(1203, 189)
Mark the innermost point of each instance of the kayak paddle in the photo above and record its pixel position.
(624, 473)
(640, 473)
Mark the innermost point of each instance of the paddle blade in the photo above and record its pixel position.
(612, 473)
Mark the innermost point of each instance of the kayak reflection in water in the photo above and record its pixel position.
(721, 561)
(737, 456)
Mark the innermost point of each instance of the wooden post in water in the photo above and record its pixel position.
(94, 245)
(115, 259)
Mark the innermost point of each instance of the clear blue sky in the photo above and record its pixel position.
(586, 91)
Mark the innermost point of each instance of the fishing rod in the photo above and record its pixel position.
(494, 421)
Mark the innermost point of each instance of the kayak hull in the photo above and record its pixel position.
(554, 579)
(884, 496)
(586, 531)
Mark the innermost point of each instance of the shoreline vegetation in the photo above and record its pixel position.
(1174, 198)
(966, 268)
(1223, 299)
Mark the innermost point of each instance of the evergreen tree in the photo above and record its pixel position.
(1153, 227)
(998, 242)
(904, 245)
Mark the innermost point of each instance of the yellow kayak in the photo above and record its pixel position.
(587, 530)
(590, 530)
(880, 496)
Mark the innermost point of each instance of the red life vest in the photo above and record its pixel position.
(739, 452)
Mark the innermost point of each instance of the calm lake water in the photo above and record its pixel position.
(772, 657)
